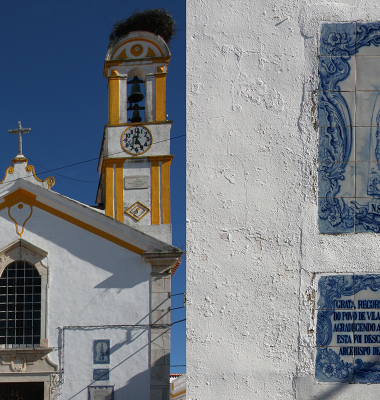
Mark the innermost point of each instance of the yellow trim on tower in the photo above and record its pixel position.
(29, 198)
(113, 98)
(119, 192)
(108, 195)
(160, 96)
(136, 40)
(155, 60)
(166, 191)
(155, 192)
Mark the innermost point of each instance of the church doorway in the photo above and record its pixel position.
(22, 391)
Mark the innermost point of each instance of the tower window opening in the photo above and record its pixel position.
(136, 103)
(20, 306)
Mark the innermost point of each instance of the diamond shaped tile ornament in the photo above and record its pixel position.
(137, 210)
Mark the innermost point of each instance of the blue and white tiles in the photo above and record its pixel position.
(349, 128)
(348, 328)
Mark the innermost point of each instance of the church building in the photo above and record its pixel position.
(85, 290)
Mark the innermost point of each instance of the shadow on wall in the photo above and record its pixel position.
(134, 388)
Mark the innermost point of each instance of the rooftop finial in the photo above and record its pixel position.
(20, 130)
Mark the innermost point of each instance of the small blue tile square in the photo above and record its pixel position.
(101, 351)
(336, 179)
(338, 39)
(101, 374)
(336, 215)
(336, 109)
(334, 364)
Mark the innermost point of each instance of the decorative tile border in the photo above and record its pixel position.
(349, 128)
(348, 328)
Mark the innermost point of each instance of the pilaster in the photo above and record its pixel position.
(160, 320)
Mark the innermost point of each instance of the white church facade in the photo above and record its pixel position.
(85, 291)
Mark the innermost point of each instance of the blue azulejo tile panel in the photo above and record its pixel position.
(337, 39)
(367, 328)
(335, 327)
(328, 152)
(362, 144)
(336, 215)
(335, 293)
(101, 374)
(349, 128)
(342, 173)
(336, 109)
(102, 351)
(338, 72)
(367, 73)
(367, 108)
(334, 364)
(368, 37)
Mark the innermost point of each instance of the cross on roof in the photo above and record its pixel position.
(20, 130)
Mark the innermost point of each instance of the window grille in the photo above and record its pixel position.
(20, 306)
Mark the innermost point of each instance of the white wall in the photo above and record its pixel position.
(253, 241)
(92, 282)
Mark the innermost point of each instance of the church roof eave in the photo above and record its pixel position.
(83, 216)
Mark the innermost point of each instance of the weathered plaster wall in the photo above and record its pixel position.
(253, 241)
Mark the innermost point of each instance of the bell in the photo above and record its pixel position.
(136, 116)
(135, 95)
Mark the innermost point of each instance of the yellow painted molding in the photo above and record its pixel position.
(50, 180)
(166, 191)
(139, 123)
(18, 196)
(155, 192)
(161, 158)
(108, 196)
(22, 195)
(9, 170)
(177, 394)
(113, 100)
(160, 97)
(23, 225)
(119, 192)
(137, 39)
(155, 60)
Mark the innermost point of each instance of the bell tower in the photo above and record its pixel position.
(134, 163)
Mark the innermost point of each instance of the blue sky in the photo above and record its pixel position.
(52, 80)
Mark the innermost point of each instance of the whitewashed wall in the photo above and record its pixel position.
(92, 282)
(253, 241)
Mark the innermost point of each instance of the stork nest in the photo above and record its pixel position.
(157, 21)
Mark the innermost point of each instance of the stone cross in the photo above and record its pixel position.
(20, 130)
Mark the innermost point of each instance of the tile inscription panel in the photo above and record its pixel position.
(349, 128)
(348, 329)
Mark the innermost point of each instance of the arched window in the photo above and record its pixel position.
(20, 306)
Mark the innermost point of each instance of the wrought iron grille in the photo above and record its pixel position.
(20, 306)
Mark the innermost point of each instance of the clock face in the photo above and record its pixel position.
(136, 140)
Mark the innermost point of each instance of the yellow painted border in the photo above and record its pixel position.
(137, 39)
(50, 180)
(119, 192)
(160, 96)
(113, 100)
(130, 214)
(108, 195)
(21, 195)
(155, 173)
(136, 126)
(177, 394)
(166, 191)
(9, 170)
(23, 225)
